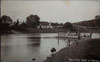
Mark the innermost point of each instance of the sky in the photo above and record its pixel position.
(51, 11)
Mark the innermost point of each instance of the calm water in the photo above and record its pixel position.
(25, 47)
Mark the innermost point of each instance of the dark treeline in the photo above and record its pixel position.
(33, 22)
(7, 24)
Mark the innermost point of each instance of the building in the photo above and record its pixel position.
(56, 25)
(45, 25)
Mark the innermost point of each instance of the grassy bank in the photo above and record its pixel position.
(84, 49)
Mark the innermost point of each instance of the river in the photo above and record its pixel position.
(25, 47)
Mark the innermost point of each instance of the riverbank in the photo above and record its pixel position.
(56, 30)
(49, 30)
(80, 50)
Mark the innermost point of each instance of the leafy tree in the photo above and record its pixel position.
(33, 21)
(5, 22)
(67, 25)
(97, 18)
(16, 25)
(95, 22)
(23, 26)
(6, 19)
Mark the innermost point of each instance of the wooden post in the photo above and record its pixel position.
(84, 33)
(58, 41)
(58, 31)
(58, 37)
(78, 33)
(69, 41)
(90, 32)
(68, 32)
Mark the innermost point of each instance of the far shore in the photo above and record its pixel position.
(36, 30)
(56, 30)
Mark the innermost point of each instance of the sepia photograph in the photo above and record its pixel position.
(50, 30)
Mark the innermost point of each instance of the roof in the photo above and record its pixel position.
(44, 23)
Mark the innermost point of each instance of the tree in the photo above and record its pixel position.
(98, 16)
(5, 22)
(6, 19)
(16, 25)
(67, 25)
(33, 21)
(23, 26)
(95, 22)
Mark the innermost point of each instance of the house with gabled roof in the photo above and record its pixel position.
(45, 25)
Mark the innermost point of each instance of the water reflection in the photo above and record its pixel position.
(34, 41)
(25, 47)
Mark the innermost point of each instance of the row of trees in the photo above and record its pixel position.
(32, 21)
(7, 24)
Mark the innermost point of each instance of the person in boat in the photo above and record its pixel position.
(53, 50)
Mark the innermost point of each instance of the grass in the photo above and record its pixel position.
(84, 49)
